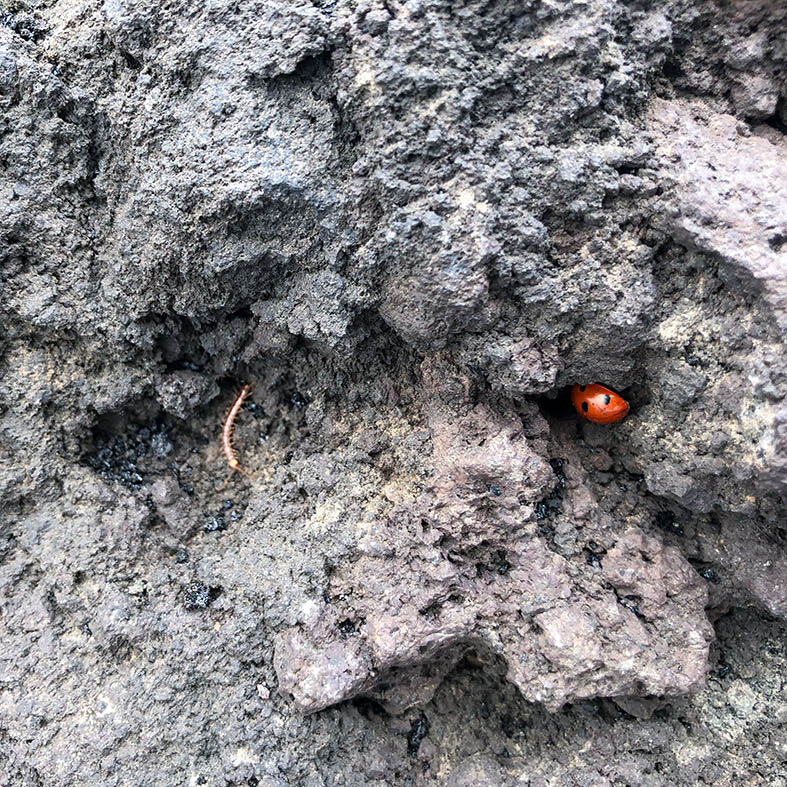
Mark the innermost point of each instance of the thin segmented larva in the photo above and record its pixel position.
(226, 436)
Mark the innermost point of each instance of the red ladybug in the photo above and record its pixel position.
(598, 404)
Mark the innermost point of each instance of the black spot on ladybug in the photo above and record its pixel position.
(582, 387)
(607, 398)
(584, 407)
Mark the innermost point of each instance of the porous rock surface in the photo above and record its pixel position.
(410, 226)
(468, 563)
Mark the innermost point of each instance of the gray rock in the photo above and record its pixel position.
(410, 226)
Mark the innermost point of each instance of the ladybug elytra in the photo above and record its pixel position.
(598, 404)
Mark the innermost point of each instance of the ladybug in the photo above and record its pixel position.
(598, 404)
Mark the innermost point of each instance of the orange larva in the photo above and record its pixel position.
(226, 435)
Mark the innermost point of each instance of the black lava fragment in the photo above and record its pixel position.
(299, 400)
(200, 596)
(418, 731)
(550, 506)
(214, 524)
(347, 628)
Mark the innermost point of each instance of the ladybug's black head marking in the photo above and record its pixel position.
(584, 407)
(607, 398)
(582, 387)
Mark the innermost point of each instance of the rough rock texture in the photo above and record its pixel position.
(468, 563)
(409, 226)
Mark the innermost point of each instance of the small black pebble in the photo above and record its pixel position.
(215, 523)
(500, 562)
(418, 731)
(200, 596)
(592, 558)
(299, 400)
(710, 575)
